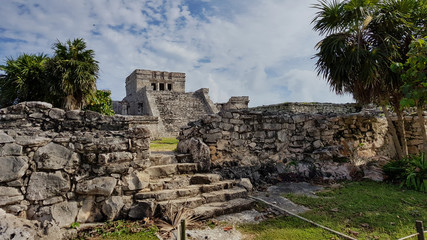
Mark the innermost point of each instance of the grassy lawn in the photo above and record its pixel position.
(364, 210)
(164, 144)
(120, 230)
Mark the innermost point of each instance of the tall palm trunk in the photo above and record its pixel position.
(401, 128)
(421, 122)
(393, 131)
(70, 103)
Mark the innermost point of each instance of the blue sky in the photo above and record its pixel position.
(261, 49)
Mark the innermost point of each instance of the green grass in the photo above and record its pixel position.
(372, 210)
(120, 230)
(147, 235)
(164, 144)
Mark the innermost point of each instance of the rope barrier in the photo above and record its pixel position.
(304, 219)
(410, 236)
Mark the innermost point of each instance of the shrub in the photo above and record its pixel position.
(101, 103)
(410, 171)
(396, 169)
(417, 174)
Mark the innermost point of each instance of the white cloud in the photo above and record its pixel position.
(260, 49)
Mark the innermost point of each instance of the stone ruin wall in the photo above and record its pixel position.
(310, 107)
(62, 167)
(266, 145)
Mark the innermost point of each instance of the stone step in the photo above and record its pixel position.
(169, 194)
(182, 181)
(226, 184)
(160, 171)
(184, 157)
(162, 159)
(174, 182)
(225, 195)
(168, 188)
(175, 205)
(214, 209)
(173, 200)
(207, 178)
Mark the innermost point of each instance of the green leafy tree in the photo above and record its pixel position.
(362, 39)
(101, 103)
(75, 71)
(415, 81)
(24, 79)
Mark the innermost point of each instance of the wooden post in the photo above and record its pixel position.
(182, 230)
(420, 230)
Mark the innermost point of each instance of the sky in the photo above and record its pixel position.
(258, 48)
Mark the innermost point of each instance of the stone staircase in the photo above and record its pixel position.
(174, 185)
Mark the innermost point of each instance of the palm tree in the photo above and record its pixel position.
(25, 79)
(362, 39)
(76, 72)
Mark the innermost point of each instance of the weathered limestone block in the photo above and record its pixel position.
(112, 206)
(16, 183)
(37, 105)
(303, 169)
(46, 185)
(30, 141)
(73, 115)
(225, 126)
(16, 209)
(138, 145)
(9, 195)
(115, 157)
(205, 178)
(54, 157)
(97, 186)
(199, 151)
(4, 138)
(42, 214)
(11, 149)
(222, 144)
(12, 227)
(272, 126)
(12, 168)
(53, 200)
(317, 144)
(335, 171)
(64, 213)
(282, 136)
(212, 137)
(142, 209)
(89, 212)
(298, 118)
(137, 180)
(329, 153)
(36, 115)
(120, 168)
(260, 134)
(116, 145)
(56, 113)
(92, 116)
(139, 132)
(245, 183)
(238, 142)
